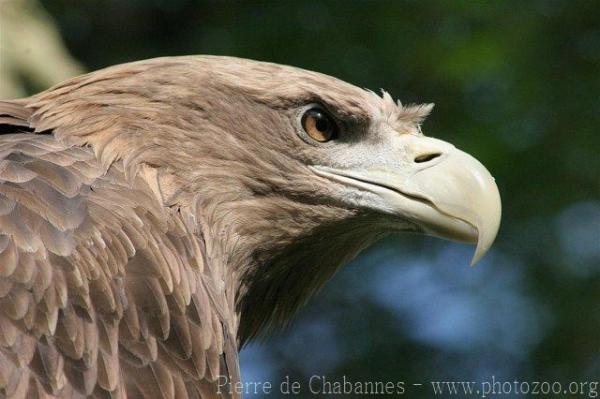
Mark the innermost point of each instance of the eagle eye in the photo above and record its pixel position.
(319, 125)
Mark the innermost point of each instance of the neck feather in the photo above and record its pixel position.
(280, 252)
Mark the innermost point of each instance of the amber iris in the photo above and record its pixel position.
(319, 125)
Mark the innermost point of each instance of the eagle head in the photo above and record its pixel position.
(288, 173)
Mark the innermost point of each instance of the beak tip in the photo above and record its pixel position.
(480, 252)
(476, 257)
(487, 236)
(482, 248)
(489, 219)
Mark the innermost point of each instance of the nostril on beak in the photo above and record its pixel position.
(427, 157)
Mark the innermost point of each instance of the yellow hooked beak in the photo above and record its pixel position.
(445, 191)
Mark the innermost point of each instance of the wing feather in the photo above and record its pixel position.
(104, 292)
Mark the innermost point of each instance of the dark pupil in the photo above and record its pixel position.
(322, 124)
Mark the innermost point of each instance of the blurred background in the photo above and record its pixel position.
(517, 84)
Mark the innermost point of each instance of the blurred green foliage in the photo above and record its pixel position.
(517, 84)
